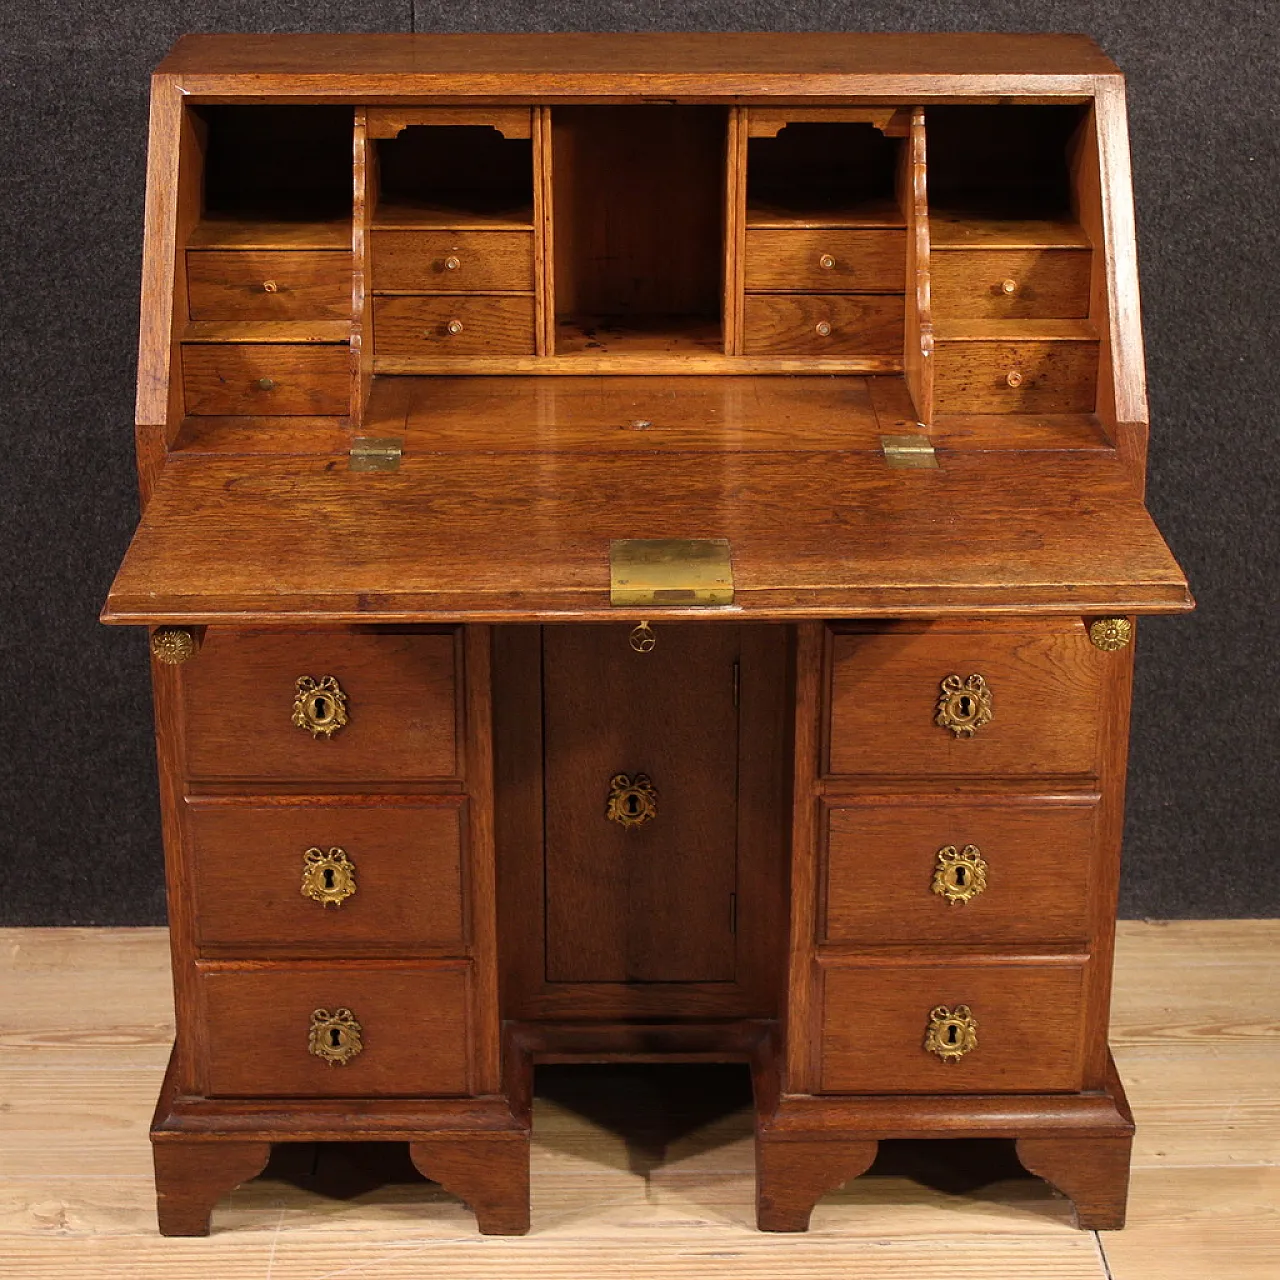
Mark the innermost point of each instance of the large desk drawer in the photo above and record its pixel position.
(302, 877)
(1027, 1023)
(959, 873)
(1011, 702)
(267, 1027)
(323, 706)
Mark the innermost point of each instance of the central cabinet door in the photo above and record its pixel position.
(648, 894)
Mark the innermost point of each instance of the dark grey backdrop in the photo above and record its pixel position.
(79, 836)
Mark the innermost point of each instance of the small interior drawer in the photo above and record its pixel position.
(271, 378)
(963, 872)
(1008, 284)
(823, 324)
(453, 326)
(262, 284)
(410, 1024)
(1015, 376)
(396, 690)
(452, 261)
(1028, 1027)
(826, 261)
(296, 876)
(1014, 703)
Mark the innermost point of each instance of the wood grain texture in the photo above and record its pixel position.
(1093, 1173)
(247, 862)
(417, 261)
(823, 324)
(1052, 377)
(401, 691)
(226, 231)
(792, 1176)
(880, 860)
(874, 1017)
(191, 1179)
(491, 1174)
(413, 1019)
(294, 538)
(1046, 283)
(269, 285)
(454, 326)
(1035, 678)
(913, 198)
(228, 378)
(863, 261)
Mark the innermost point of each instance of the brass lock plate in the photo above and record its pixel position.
(670, 571)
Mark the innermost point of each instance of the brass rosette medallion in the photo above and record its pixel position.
(1110, 634)
(319, 706)
(964, 706)
(952, 1032)
(328, 878)
(173, 645)
(335, 1037)
(632, 801)
(960, 874)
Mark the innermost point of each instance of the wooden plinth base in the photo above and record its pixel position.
(808, 1146)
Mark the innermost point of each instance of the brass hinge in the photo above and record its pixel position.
(376, 453)
(671, 571)
(908, 451)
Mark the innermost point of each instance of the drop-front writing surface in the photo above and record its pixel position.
(431, 325)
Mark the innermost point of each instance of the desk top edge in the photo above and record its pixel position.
(739, 63)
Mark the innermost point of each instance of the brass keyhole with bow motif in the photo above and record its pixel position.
(632, 800)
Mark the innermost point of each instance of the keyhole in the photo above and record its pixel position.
(960, 873)
(321, 708)
(328, 877)
(966, 705)
(951, 1033)
(335, 1037)
(633, 805)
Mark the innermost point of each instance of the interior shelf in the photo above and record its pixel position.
(959, 228)
(249, 231)
(875, 211)
(638, 335)
(408, 214)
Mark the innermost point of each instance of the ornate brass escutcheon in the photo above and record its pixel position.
(328, 878)
(632, 801)
(319, 705)
(964, 706)
(642, 639)
(1110, 634)
(952, 1032)
(335, 1037)
(960, 874)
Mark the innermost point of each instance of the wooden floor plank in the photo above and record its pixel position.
(625, 1183)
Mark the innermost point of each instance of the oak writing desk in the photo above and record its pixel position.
(641, 539)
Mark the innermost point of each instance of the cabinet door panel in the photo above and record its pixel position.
(649, 903)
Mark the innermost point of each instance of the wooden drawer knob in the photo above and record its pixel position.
(335, 1037)
(959, 874)
(451, 263)
(454, 326)
(826, 262)
(319, 705)
(328, 878)
(267, 384)
(1008, 285)
(952, 1032)
(823, 329)
(270, 286)
(1013, 378)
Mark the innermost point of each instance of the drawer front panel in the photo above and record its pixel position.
(832, 261)
(269, 378)
(1010, 284)
(823, 324)
(460, 326)
(412, 1030)
(259, 284)
(1006, 874)
(1029, 1028)
(1016, 377)
(1045, 703)
(397, 885)
(400, 702)
(465, 261)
